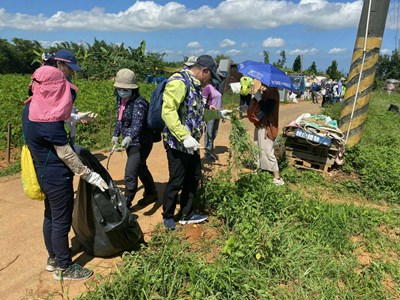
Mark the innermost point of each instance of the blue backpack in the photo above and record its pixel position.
(155, 123)
(315, 87)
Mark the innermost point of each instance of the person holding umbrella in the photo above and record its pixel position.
(267, 95)
(266, 133)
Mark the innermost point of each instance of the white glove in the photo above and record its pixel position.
(86, 116)
(190, 143)
(257, 95)
(114, 140)
(224, 114)
(73, 119)
(95, 179)
(126, 142)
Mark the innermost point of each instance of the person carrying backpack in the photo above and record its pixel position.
(131, 124)
(246, 85)
(184, 115)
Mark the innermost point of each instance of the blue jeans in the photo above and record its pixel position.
(59, 204)
(210, 134)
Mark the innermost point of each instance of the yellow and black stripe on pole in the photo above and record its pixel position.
(362, 69)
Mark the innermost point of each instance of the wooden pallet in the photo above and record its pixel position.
(302, 154)
(309, 165)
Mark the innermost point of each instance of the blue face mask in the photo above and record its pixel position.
(124, 93)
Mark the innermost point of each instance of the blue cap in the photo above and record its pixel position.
(68, 58)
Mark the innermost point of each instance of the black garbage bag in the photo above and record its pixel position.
(394, 108)
(101, 221)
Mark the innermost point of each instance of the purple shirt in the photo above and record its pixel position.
(212, 95)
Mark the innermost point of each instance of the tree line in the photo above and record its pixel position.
(101, 60)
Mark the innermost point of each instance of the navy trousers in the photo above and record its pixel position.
(59, 204)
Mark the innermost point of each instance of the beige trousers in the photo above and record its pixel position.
(266, 158)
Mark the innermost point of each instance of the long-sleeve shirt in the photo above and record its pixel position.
(184, 114)
(134, 121)
(212, 95)
(270, 106)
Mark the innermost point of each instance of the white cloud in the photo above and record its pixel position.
(386, 51)
(296, 52)
(244, 45)
(232, 52)
(150, 16)
(337, 51)
(213, 52)
(197, 52)
(194, 45)
(48, 44)
(273, 42)
(227, 43)
(168, 52)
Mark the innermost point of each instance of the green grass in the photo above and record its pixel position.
(310, 239)
(11, 169)
(277, 245)
(95, 96)
(285, 242)
(376, 157)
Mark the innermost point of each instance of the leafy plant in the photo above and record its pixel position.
(242, 152)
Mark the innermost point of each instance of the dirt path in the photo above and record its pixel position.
(22, 251)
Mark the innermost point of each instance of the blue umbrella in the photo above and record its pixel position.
(266, 73)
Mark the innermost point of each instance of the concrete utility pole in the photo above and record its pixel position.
(362, 69)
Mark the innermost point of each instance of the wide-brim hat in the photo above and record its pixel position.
(125, 79)
(51, 98)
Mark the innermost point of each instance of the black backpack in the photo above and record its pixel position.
(155, 123)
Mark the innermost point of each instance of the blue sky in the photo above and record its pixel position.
(318, 30)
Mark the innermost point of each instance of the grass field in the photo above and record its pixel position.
(315, 238)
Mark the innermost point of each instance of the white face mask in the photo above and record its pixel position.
(124, 93)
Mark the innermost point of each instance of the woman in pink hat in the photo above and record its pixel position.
(67, 63)
(55, 163)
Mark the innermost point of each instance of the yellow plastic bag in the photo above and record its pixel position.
(30, 183)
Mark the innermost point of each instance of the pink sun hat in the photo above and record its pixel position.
(52, 99)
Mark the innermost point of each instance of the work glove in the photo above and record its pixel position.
(95, 179)
(257, 96)
(126, 142)
(224, 114)
(190, 143)
(114, 140)
(85, 117)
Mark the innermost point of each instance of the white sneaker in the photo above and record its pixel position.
(278, 181)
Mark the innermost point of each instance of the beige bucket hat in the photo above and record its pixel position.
(125, 79)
